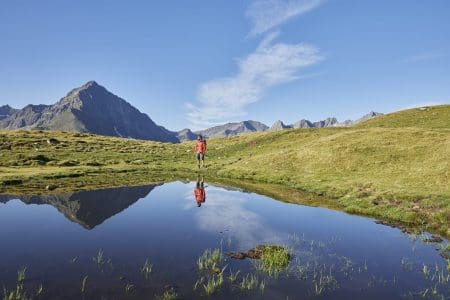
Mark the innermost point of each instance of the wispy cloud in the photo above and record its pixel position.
(226, 211)
(427, 56)
(267, 14)
(224, 99)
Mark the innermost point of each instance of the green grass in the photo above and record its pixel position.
(394, 167)
(425, 117)
(213, 284)
(274, 259)
(251, 282)
(210, 260)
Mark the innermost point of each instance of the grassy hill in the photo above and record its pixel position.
(393, 173)
(424, 117)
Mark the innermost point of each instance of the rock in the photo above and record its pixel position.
(445, 255)
(433, 239)
(279, 125)
(52, 141)
(237, 255)
(232, 129)
(50, 187)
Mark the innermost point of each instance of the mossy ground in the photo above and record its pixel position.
(398, 174)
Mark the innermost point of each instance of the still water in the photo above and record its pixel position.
(93, 245)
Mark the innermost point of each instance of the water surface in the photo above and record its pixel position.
(334, 255)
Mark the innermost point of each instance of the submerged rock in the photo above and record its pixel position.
(433, 239)
(237, 255)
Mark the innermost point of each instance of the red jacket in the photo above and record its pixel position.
(200, 195)
(200, 147)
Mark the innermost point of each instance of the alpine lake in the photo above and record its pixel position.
(165, 242)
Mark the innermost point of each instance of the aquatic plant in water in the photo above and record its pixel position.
(210, 260)
(83, 284)
(146, 269)
(213, 284)
(249, 282)
(129, 288)
(168, 295)
(233, 276)
(274, 259)
(99, 258)
(19, 292)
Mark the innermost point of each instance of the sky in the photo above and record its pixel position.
(201, 63)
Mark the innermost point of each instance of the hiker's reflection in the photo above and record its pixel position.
(199, 191)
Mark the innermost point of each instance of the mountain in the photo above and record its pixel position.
(328, 122)
(89, 108)
(231, 129)
(91, 208)
(6, 111)
(368, 116)
(185, 135)
(303, 123)
(279, 125)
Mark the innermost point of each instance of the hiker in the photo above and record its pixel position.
(200, 149)
(199, 191)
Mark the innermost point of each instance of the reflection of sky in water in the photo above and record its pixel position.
(164, 224)
(226, 211)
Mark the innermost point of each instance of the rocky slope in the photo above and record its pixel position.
(231, 129)
(89, 108)
(328, 122)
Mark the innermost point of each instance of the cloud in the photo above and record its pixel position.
(224, 99)
(226, 211)
(424, 57)
(267, 14)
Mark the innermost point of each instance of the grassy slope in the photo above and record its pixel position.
(399, 174)
(426, 117)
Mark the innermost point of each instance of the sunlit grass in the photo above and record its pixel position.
(210, 260)
(213, 284)
(274, 259)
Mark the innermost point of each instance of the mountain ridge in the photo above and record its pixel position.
(89, 108)
(93, 109)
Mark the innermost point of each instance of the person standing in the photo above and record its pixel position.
(200, 150)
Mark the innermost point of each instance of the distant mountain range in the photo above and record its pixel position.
(92, 108)
(328, 122)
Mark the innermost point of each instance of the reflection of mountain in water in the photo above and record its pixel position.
(90, 208)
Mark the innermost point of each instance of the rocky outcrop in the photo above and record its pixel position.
(6, 111)
(279, 125)
(186, 135)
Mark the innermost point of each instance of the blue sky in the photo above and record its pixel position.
(199, 63)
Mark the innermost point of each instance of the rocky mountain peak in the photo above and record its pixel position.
(279, 125)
